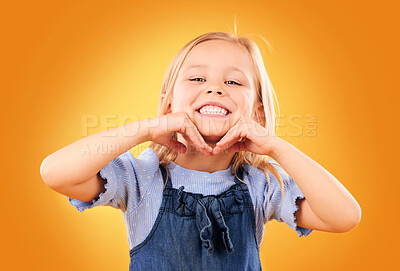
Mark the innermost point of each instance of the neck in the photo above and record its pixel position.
(194, 160)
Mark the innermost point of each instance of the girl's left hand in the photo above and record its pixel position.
(256, 138)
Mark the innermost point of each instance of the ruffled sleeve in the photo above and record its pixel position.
(292, 195)
(126, 179)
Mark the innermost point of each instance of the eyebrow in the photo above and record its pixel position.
(233, 68)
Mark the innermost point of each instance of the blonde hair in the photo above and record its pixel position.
(264, 95)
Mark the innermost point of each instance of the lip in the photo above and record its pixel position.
(213, 103)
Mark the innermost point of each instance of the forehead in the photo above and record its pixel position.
(219, 53)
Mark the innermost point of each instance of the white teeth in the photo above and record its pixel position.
(210, 109)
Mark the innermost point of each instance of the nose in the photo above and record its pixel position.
(215, 91)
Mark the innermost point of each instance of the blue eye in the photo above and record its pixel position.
(234, 82)
(194, 79)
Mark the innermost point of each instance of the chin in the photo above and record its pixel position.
(209, 127)
(211, 136)
(212, 140)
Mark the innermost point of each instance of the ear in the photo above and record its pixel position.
(259, 114)
(169, 108)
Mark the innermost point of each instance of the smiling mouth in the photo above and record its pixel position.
(212, 115)
(213, 111)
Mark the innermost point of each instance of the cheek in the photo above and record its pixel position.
(182, 98)
(246, 102)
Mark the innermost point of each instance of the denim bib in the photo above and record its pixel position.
(197, 232)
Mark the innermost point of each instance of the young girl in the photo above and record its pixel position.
(198, 198)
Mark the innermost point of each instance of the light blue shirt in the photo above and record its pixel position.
(135, 186)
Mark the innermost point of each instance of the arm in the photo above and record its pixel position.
(73, 169)
(327, 206)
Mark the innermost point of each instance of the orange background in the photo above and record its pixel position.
(337, 60)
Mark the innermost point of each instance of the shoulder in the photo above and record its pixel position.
(256, 174)
(259, 180)
(146, 164)
(148, 160)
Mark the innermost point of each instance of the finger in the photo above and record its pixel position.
(231, 133)
(176, 145)
(227, 145)
(225, 138)
(190, 136)
(238, 146)
(221, 145)
(193, 138)
(196, 137)
(194, 144)
(202, 142)
(231, 139)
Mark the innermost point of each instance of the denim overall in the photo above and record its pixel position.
(195, 232)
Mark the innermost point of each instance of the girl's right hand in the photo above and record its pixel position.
(162, 131)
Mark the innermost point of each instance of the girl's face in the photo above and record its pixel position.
(219, 74)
